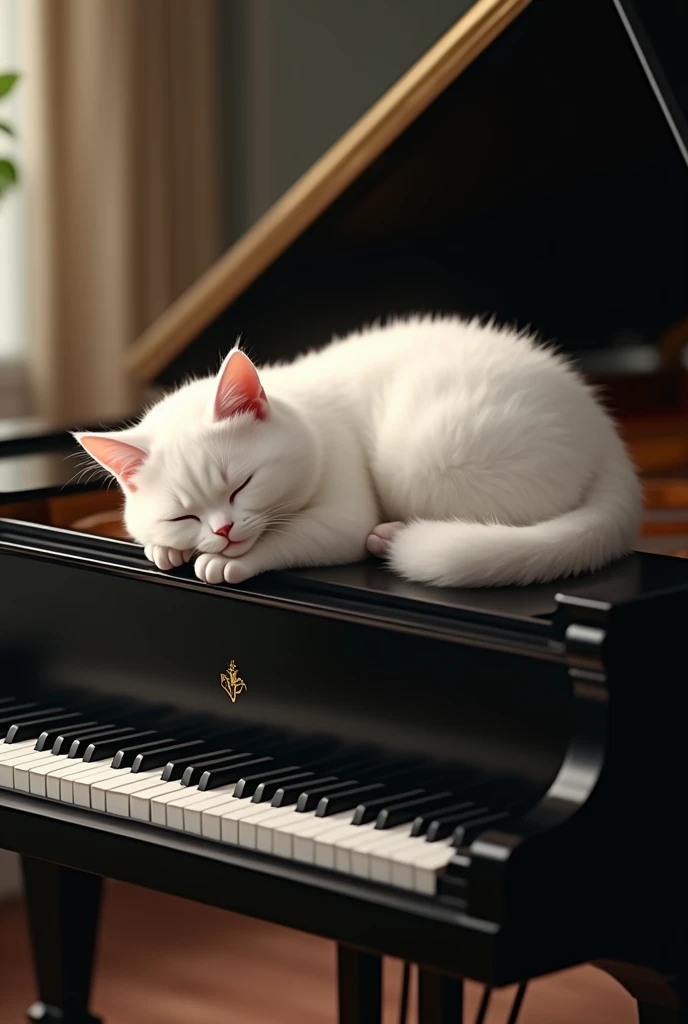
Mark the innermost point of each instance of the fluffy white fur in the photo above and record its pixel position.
(463, 453)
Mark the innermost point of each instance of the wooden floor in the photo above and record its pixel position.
(163, 960)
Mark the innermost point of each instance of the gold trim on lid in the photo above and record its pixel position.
(289, 217)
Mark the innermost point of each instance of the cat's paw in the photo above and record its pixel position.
(220, 569)
(237, 571)
(211, 568)
(166, 558)
(378, 541)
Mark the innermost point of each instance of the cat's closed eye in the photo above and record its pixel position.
(178, 519)
(234, 493)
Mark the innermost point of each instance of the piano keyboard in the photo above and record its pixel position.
(353, 810)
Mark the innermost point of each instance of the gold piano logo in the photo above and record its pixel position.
(232, 683)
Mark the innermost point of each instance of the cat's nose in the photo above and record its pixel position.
(223, 531)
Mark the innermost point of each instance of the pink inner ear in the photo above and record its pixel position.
(239, 389)
(119, 458)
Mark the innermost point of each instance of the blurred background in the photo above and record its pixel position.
(148, 137)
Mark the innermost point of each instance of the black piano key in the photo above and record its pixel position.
(108, 745)
(193, 773)
(344, 801)
(65, 737)
(37, 715)
(246, 785)
(399, 813)
(158, 758)
(445, 826)
(78, 744)
(463, 835)
(7, 714)
(266, 790)
(216, 777)
(371, 808)
(126, 755)
(34, 726)
(175, 767)
(422, 821)
(310, 797)
(290, 794)
(48, 736)
(7, 700)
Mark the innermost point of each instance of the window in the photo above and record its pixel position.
(13, 226)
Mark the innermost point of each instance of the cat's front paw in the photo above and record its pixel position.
(166, 558)
(220, 569)
(238, 571)
(211, 568)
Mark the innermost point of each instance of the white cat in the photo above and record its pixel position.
(462, 453)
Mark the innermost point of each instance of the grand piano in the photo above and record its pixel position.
(485, 784)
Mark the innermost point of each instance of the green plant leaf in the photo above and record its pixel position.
(8, 175)
(7, 83)
(7, 128)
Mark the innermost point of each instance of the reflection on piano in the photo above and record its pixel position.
(485, 783)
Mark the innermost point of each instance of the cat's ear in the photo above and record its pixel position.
(120, 458)
(239, 389)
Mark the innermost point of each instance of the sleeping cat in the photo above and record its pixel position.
(463, 454)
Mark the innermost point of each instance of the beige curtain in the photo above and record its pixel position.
(123, 182)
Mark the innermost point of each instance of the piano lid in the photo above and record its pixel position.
(530, 165)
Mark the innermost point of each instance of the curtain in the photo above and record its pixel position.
(124, 186)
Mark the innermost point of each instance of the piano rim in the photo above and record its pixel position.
(292, 591)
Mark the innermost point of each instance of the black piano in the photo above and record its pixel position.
(486, 783)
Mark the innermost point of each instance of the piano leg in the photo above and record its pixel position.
(62, 906)
(359, 983)
(440, 999)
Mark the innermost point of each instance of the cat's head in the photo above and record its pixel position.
(211, 467)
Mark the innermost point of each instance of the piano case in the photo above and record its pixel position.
(530, 165)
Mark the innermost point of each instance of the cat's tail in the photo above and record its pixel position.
(456, 553)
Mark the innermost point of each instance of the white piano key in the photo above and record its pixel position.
(78, 787)
(194, 812)
(267, 826)
(264, 822)
(248, 826)
(211, 817)
(8, 749)
(23, 758)
(428, 868)
(115, 779)
(299, 824)
(158, 804)
(117, 799)
(305, 838)
(140, 803)
(95, 770)
(379, 864)
(19, 757)
(23, 768)
(67, 769)
(327, 842)
(390, 842)
(230, 820)
(358, 842)
(38, 774)
(174, 808)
